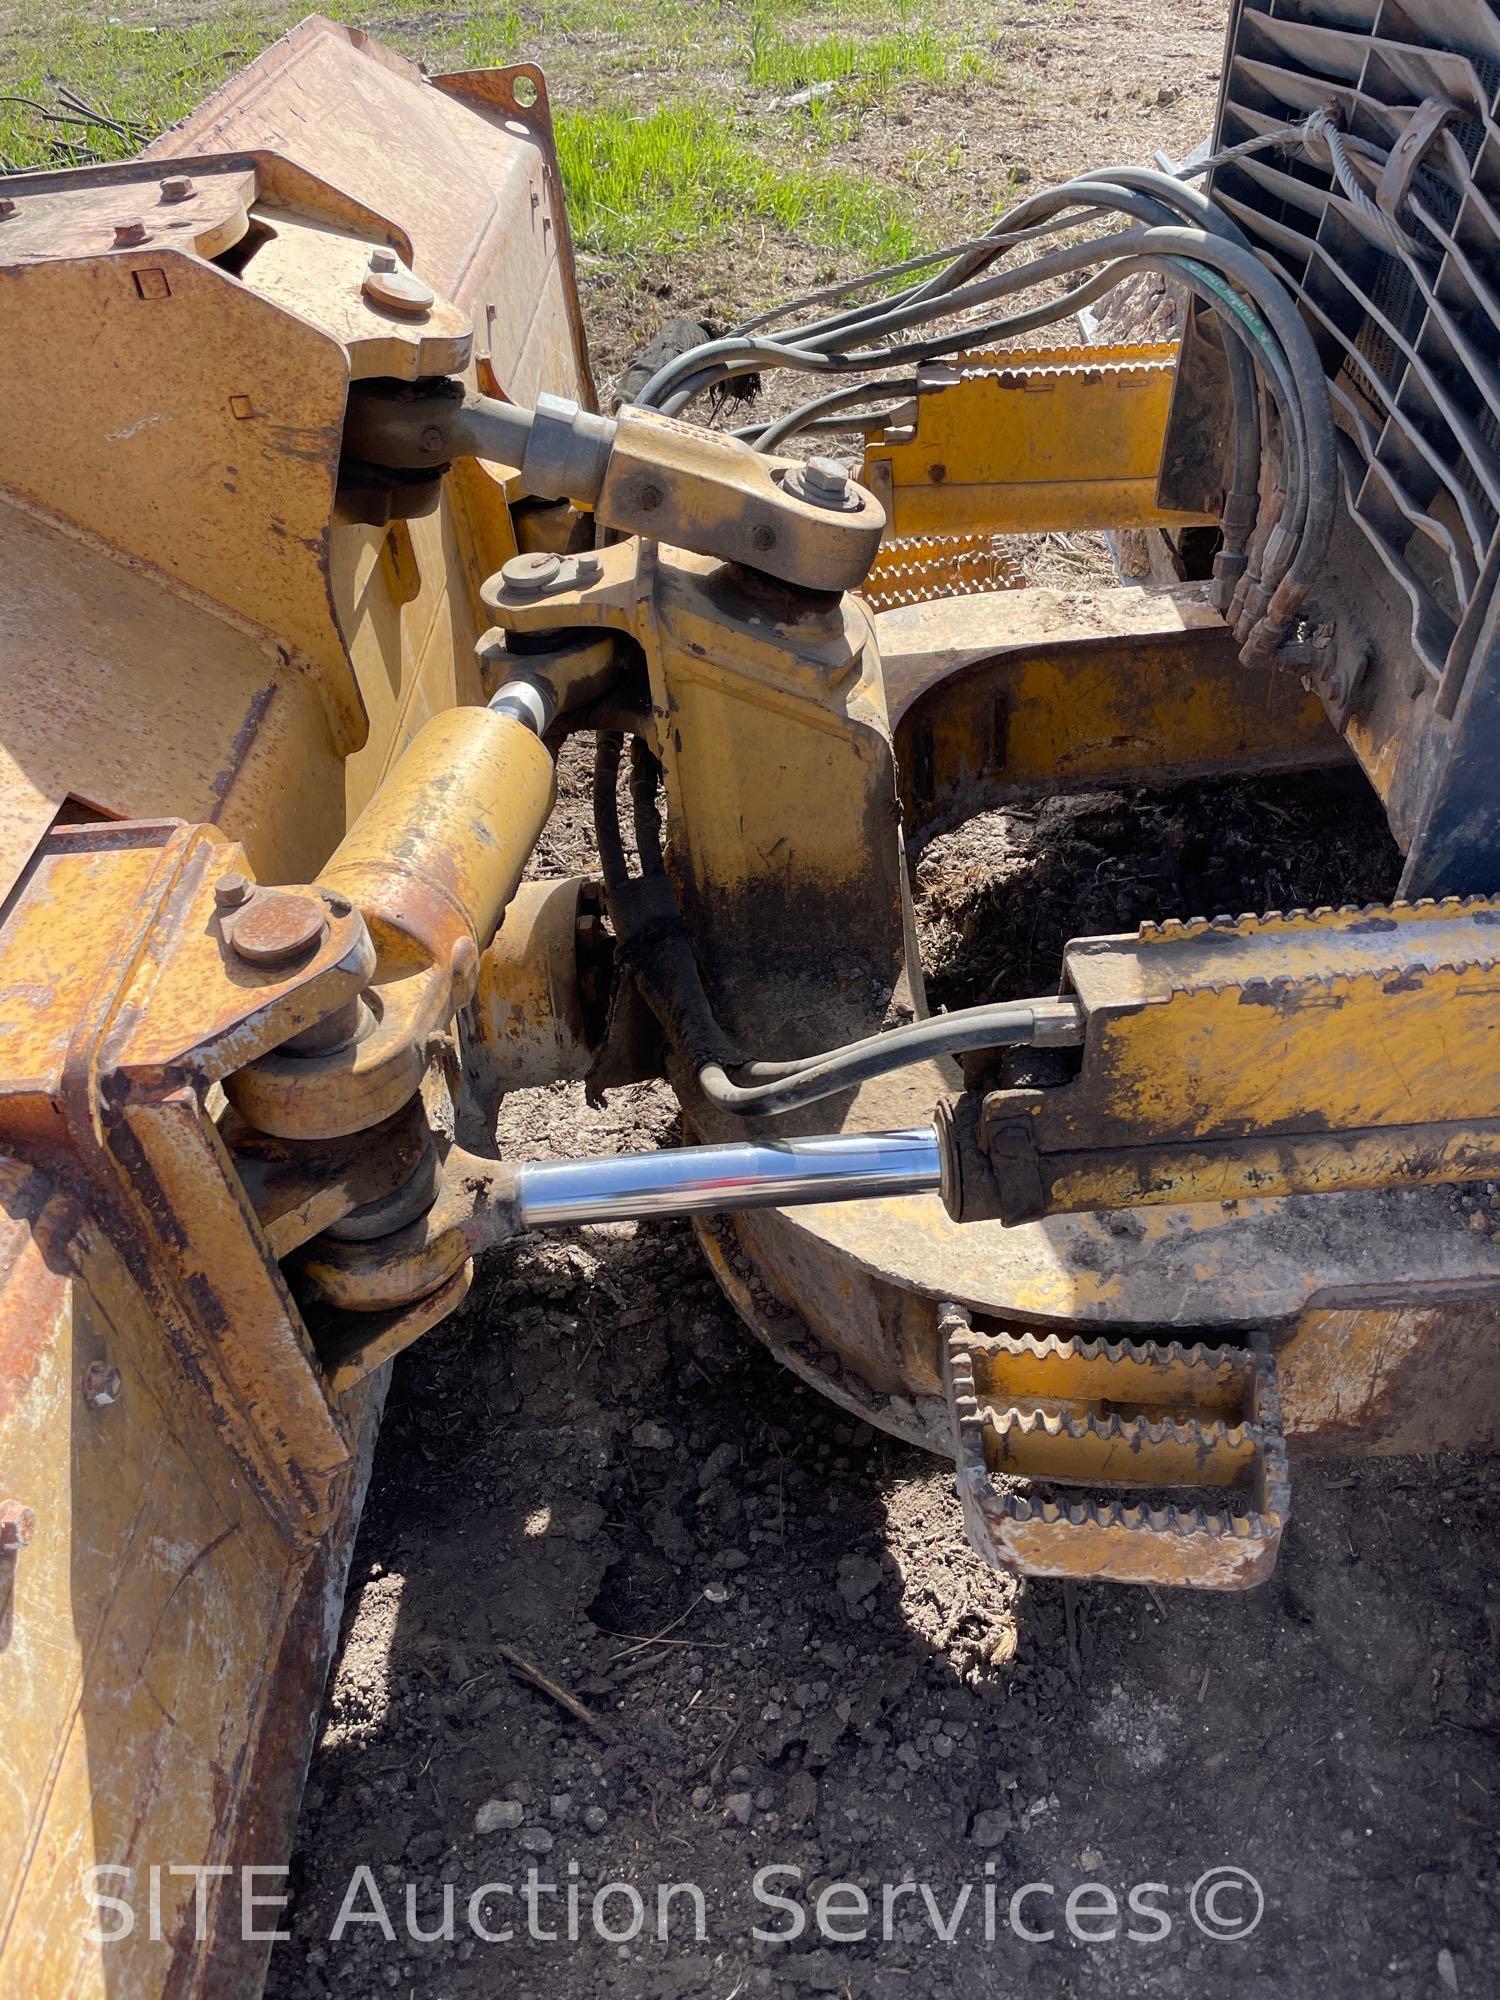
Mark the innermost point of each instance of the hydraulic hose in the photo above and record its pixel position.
(1033, 1023)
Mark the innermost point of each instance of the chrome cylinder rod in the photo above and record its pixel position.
(715, 1180)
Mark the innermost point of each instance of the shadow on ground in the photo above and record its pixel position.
(596, 1454)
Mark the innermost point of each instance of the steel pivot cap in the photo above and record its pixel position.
(388, 283)
(529, 574)
(274, 927)
(823, 482)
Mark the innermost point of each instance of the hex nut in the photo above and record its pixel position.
(230, 891)
(177, 187)
(823, 482)
(128, 231)
(827, 476)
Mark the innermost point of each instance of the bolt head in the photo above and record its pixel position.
(230, 891)
(275, 927)
(823, 482)
(17, 1526)
(825, 476)
(588, 568)
(382, 260)
(177, 187)
(532, 572)
(7, 207)
(431, 439)
(129, 230)
(102, 1384)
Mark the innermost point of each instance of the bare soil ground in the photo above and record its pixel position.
(789, 1655)
(1076, 84)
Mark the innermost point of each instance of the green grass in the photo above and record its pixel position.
(686, 172)
(147, 73)
(679, 178)
(917, 54)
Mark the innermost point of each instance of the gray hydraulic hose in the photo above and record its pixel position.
(1008, 1024)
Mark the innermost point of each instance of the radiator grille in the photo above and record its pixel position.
(1412, 350)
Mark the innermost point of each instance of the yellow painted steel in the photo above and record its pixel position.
(1005, 696)
(192, 631)
(1232, 1059)
(770, 718)
(1026, 1368)
(526, 1025)
(926, 567)
(1212, 1472)
(1115, 1451)
(437, 853)
(201, 632)
(1024, 442)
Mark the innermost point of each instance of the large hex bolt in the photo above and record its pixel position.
(231, 891)
(826, 481)
(823, 482)
(17, 1526)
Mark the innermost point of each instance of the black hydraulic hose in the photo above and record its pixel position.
(1246, 326)
(755, 359)
(1212, 255)
(1194, 206)
(609, 744)
(1204, 283)
(1303, 381)
(644, 772)
(828, 334)
(1004, 235)
(867, 282)
(767, 437)
(1046, 207)
(1243, 268)
(930, 348)
(1044, 1023)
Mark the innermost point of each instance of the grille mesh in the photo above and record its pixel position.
(1412, 351)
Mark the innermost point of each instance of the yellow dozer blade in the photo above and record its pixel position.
(195, 633)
